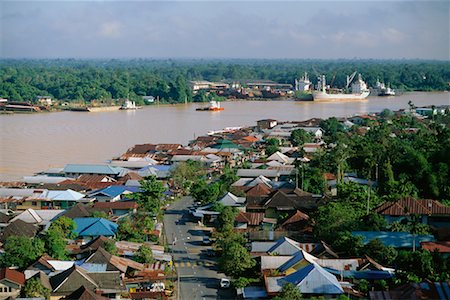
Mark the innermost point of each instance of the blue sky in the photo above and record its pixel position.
(217, 29)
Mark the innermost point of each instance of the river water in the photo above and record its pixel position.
(34, 142)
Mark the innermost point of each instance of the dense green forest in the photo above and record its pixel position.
(86, 80)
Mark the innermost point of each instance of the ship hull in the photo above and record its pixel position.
(320, 96)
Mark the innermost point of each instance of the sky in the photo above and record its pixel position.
(389, 29)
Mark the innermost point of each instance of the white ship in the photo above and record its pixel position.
(359, 90)
(381, 89)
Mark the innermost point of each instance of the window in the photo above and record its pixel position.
(34, 203)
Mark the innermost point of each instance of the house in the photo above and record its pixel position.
(114, 193)
(11, 282)
(76, 170)
(66, 199)
(317, 132)
(160, 171)
(78, 211)
(266, 124)
(281, 158)
(249, 221)
(118, 208)
(231, 200)
(107, 283)
(148, 99)
(18, 228)
(48, 266)
(312, 280)
(112, 262)
(297, 221)
(41, 217)
(93, 227)
(430, 212)
(296, 199)
(395, 239)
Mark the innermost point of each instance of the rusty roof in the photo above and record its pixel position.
(297, 217)
(142, 148)
(94, 178)
(168, 147)
(407, 206)
(258, 190)
(442, 247)
(12, 275)
(251, 218)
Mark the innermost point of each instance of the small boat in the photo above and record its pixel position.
(129, 105)
(213, 106)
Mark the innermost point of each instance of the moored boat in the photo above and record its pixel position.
(213, 106)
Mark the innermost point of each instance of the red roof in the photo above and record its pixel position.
(442, 247)
(116, 205)
(407, 206)
(12, 275)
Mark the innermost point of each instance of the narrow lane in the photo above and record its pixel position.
(199, 277)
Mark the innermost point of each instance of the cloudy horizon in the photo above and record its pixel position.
(216, 29)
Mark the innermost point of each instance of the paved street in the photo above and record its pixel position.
(199, 277)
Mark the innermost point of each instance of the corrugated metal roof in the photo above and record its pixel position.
(270, 262)
(94, 227)
(92, 169)
(313, 279)
(407, 206)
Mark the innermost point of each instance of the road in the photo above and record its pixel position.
(199, 276)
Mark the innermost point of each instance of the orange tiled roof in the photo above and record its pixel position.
(12, 275)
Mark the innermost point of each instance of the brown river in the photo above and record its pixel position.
(33, 142)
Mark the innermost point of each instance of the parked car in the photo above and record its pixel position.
(225, 283)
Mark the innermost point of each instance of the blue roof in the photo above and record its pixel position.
(313, 279)
(94, 227)
(394, 239)
(92, 169)
(369, 274)
(116, 190)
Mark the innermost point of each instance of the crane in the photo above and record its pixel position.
(350, 79)
(332, 80)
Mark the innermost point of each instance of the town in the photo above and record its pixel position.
(344, 208)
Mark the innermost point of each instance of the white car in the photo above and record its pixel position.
(225, 283)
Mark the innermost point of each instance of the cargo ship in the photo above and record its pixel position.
(359, 90)
(213, 106)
